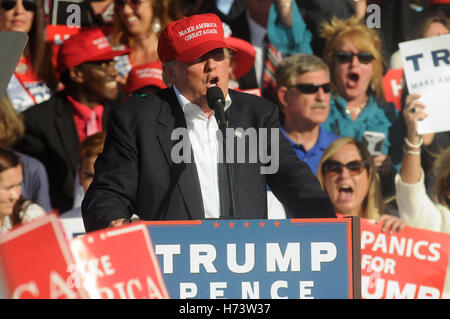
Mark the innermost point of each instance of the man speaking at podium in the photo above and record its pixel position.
(140, 171)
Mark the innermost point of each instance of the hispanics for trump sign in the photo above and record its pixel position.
(406, 265)
(296, 258)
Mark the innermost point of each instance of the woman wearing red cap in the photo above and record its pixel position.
(34, 79)
(137, 24)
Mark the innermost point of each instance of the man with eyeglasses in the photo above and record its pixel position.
(55, 128)
(303, 82)
(137, 173)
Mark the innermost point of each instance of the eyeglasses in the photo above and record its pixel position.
(336, 168)
(309, 88)
(131, 3)
(347, 57)
(27, 5)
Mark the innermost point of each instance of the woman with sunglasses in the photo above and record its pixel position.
(34, 79)
(14, 208)
(353, 53)
(347, 173)
(137, 24)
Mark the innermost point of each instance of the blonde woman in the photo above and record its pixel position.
(347, 173)
(353, 54)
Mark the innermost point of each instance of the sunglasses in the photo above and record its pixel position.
(347, 57)
(308, 88)
(103, 65)
(132, 3)
(336, 168)
(27, 5)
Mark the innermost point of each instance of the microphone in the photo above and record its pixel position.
(216, 102)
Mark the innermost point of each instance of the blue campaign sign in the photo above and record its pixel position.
(240, 259)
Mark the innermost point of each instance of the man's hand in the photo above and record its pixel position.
(119, 222)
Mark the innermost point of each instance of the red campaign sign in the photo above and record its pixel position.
(34, 259)
(409, 264)
(118, 263)
(393, 87)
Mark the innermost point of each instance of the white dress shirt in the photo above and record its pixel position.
(205, 146)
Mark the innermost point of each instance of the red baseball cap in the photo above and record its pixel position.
(189, 38)
(86, 46)
(145, 75)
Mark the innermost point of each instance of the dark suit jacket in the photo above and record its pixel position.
(52, 138)
(136, 174)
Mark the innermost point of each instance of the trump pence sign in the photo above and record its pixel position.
(295, 258)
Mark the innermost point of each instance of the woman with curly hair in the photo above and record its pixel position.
(14, 208)
(353, 53)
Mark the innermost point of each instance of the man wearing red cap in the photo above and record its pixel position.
(137, 172)
(144, 79)
(55, 128)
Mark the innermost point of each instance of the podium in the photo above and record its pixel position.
(260, 259)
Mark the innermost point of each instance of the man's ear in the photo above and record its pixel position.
(282, 97)
(76, 75)
(168, 74)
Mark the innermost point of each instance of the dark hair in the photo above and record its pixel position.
(441, 166)
(92, 146)
(39, 50)
(9, 159)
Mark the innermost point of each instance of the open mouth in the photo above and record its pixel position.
(111, 85)
(345, 192)
(212, 82)
(132, 19)
(352, 79)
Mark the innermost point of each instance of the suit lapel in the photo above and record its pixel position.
(67, 132)
(184, 175)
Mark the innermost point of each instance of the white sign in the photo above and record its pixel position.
(427, 70)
